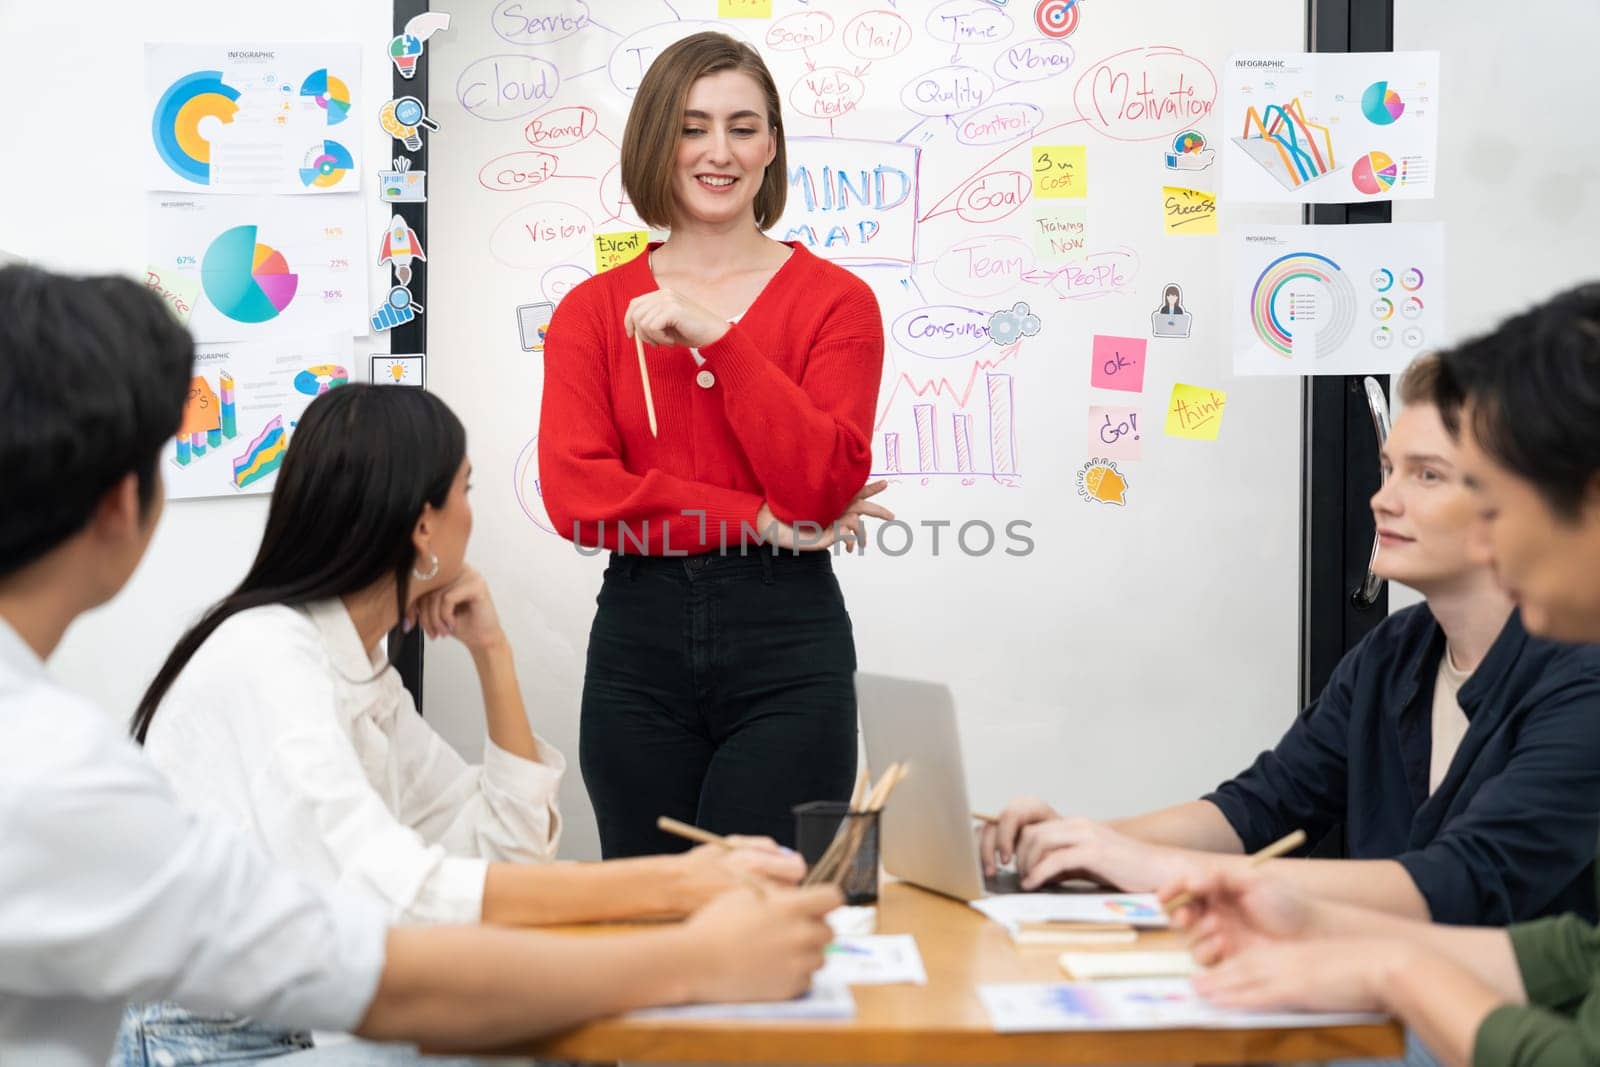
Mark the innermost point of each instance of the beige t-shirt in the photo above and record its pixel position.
(1449, 723)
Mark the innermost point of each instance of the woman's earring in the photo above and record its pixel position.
(433, 571)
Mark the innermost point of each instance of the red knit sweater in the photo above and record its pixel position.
(785, 415)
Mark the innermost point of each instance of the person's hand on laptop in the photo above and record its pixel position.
(997, 842)
(1058, 849)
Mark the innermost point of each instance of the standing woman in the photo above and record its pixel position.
(718, 686)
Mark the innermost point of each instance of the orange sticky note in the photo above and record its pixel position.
(1195, 412)
(1060, 171)
(201, 412)
(615, 249)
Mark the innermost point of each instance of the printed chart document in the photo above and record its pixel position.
(873, 959)
(1325, 128)
(253, 118)
(1131, 1004)
(1113, 909)
(1336, 299)
(824, 1001)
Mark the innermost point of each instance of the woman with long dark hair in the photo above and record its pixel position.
(713, 399)
(278, 711)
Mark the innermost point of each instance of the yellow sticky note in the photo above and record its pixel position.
(1195, 412)
(1188, 210)
(1060, 172)
(615, 249)
(744, 9)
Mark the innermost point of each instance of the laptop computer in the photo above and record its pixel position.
(1165, 325)
(926, 830)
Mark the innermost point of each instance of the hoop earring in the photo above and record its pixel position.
(433, 571)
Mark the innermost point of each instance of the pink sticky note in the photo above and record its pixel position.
(1115, 432)
(1118, 363)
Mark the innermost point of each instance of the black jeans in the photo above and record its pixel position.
(719, 690)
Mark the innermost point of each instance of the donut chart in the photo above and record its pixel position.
(332, 94)
(245, 280)
(1303, 281)
(1381, 104)
(1374, 173)
(176, 124)
(326, 165)
(314, 381)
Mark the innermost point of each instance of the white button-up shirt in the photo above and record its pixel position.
(284, 725)
(110, 891)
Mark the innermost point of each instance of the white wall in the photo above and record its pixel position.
(72, 188)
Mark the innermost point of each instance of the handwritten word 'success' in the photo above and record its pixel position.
(516, 171)
(504, 87)
(799, 31)
(1145, 93)
(512, 21)
(1188, 211)
(561, 127)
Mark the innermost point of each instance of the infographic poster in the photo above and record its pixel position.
(1337, 299)
(267, 267)
(253, 118)
(1326, 128)
(244, 403)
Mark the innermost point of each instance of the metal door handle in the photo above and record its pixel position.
(1366, 595)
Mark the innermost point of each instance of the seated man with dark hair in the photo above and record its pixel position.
(1460, 755)
(1530, 995)
(109, 890)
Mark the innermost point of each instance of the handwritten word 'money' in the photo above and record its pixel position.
(1145, 93)
(506, 87)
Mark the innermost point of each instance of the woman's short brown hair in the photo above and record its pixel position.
(655, 125)
(1423, 383)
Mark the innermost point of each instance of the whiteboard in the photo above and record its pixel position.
(74, 202)
(1138, 654)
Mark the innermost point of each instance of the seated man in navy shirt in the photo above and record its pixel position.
(1460, 755)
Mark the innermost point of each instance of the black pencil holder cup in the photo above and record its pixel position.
(825, 825)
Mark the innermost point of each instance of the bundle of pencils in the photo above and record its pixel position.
(841, 853)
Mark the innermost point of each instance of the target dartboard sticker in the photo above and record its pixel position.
(1056, 18)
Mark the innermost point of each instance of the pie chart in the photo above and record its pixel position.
(1381, 104)
(331, 94)
(245, 280)
(1374, 173)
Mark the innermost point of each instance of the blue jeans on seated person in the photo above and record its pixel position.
(167, 1035)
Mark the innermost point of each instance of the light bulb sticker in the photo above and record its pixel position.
(403, 119)
(397, 309)
(407, 48)
(411, 369)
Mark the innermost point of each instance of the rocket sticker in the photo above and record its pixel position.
(400, 246)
